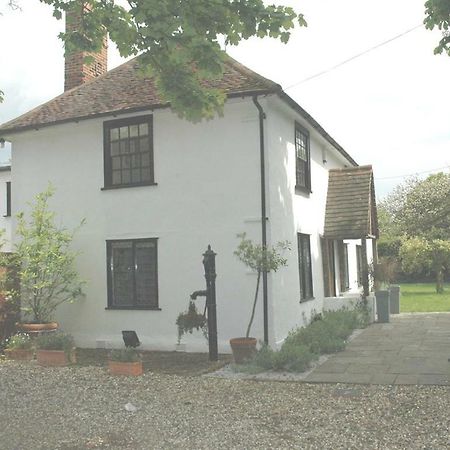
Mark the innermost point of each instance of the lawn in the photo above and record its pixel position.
(423, 298)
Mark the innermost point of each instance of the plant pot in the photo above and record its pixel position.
(243, 349)
(131, 369)
(37, 327)
(19, 354)
(394, 296)
(55, 358)
(382, 298)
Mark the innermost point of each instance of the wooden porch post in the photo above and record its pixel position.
(365, 268)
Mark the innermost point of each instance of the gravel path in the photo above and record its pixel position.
(83, 408)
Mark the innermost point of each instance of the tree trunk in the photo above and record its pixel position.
(254, 306)
(440, 281)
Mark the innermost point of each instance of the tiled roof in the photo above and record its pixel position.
(351, 206)
(123, 89)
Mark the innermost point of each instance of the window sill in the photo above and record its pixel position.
(6, 215)
(304, 300)
(124, 186)
(303, 190)
(132, 308)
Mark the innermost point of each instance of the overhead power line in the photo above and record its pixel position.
(412, 174)
(323, 72)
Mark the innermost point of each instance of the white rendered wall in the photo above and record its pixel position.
(292, 213)
(5, 222)
(207, 192)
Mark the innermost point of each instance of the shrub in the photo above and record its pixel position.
(293, 358)
(128, 354)
(55, 341)
(20, 341)
(327, 333)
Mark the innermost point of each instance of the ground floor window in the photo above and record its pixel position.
(132, 274)
(305, 266)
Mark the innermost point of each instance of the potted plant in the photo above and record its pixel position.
(191, 320)
(260, 259)
(125, 361)
(55, 349)
(45, 267)
(19, 347)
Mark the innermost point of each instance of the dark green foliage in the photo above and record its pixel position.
(437, 14)
(55, 341)
(179, 41)
(191, 320)
(127, 354)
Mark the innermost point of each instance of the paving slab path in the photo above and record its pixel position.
(410, 349)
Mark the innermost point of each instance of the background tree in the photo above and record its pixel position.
(416, 221)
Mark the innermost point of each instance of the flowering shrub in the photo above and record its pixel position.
(20, 341)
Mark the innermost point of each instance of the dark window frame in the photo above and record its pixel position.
(344, 273)
(107, 157)
(359, 264)
(305, 269)
(8, 199)
(110, 301)
(306, 187)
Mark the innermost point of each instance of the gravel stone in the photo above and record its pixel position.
(80, 408)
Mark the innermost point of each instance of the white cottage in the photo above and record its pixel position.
(155, 190)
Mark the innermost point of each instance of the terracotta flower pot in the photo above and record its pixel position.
(19, 354)
(55, 358)
(37, 327)
(243, 349)
(131, 369)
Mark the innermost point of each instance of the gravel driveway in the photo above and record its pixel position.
(83, 408)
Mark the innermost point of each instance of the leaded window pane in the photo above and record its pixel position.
(133, 278)
(131, 138)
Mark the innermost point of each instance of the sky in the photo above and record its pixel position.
(388, 107)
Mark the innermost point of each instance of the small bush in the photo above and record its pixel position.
(327, 333)
(128, 354)
(55, 341)
(293, 358)
(20, 341)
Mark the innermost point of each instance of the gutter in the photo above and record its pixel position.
(262, 116)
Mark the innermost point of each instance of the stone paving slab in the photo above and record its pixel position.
(413, 349)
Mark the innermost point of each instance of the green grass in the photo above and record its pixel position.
(423, 298)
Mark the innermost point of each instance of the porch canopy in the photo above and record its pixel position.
(351, 211)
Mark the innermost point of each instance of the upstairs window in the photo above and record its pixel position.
(305, 267)
(132, 274)
(128, 152)
(302, 159)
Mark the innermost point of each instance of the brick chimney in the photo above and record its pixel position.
(76, 70)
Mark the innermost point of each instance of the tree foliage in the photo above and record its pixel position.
(260, 259)
(45, 262)
(179, 40)
(437, 14)
(416, 221)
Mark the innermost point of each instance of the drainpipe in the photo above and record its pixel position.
(262, 116)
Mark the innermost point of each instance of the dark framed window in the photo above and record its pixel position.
(305, 267)
(343, 266)
(132, 274)
(128, 152)
(359, 260)
(8, 199)
(329, 267)
(302, 159)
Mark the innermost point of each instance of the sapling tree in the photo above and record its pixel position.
(260, 259)
(45, 262)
